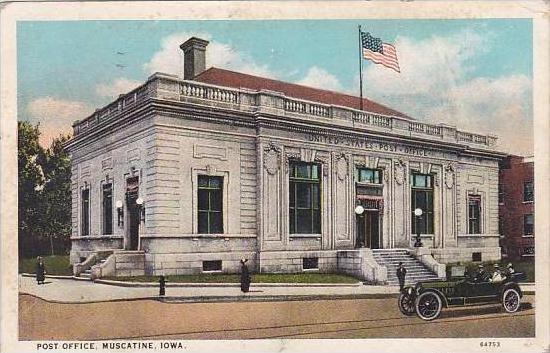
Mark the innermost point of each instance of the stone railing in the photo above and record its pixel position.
(169, 87)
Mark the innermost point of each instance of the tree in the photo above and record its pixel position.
(44, 193)
(56, 194)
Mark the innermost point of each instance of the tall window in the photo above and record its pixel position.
(422, 196)
(85, 223)
(107, 208)
(305, 198)
(528, 224)
(474, 214)
(210, 204)
(528, 191)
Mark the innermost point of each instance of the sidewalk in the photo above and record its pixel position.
(77, 291)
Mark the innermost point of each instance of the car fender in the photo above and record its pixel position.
(512, 285)
(439, 293)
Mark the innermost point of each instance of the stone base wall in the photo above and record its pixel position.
(350, 262)
(449, 255)
(292, 261)
(130, 263)
(191, 264)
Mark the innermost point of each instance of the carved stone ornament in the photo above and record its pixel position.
(271, 159)
(342, 167)
(449, 176)
(290, 157)
(324, 163)
(210, 169)
(399, 172)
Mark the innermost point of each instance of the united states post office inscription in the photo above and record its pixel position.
(370, 145)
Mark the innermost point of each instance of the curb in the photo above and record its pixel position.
(49, 276)
(235, 284)
(227, 299)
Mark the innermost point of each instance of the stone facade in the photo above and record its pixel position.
(169, 131)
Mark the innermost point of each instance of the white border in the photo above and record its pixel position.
(10, 13)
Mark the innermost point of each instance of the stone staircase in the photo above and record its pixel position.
(87, 274)
(390, 258)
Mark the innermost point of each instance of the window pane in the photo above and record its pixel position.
(314, 171)
(203, 181)
(291, 216)
(303, 222)
(315, 196)
(421, 200)
(216, 222)
(215, 182)
(303, 195)
(203, 222)
(203, 200)
(420, 181)
(377, 177)
(215, 200)
(292, 194)
(302, 170)
(317, 222)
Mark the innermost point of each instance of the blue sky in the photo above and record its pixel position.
(475, 74)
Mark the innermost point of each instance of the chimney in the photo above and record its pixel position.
(194, 52)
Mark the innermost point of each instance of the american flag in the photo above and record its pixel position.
(379, 52)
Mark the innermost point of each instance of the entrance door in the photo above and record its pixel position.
(368, 230)
(133, 212)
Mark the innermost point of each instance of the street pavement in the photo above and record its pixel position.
(149, 319)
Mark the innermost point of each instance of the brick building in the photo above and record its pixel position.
(517, 207)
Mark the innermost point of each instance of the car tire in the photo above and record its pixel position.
(428, 306)
(406, 304)
(511, 300)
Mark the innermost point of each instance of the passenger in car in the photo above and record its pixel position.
(497, 275)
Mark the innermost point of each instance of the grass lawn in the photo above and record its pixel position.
(527, 267)
(55, 265)
(256, 278)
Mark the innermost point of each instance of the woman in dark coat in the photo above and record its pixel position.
(245, 277)
(40, 270)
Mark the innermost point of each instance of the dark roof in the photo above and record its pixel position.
(222, 77)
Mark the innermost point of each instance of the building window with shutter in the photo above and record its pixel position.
(210, 204)
(422, 196)
(528, 224)
(304, 198)
(85, 216)
(528, 191)
(474, 214)
(107, 206)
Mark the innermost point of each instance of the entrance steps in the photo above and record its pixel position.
(390, 258)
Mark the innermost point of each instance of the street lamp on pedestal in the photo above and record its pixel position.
(359, 210)
(418, 214)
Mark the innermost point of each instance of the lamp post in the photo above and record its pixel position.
(359, 210)
(120, 213)
(418, 214)
(141, 208)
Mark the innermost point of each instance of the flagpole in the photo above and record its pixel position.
(360, 70)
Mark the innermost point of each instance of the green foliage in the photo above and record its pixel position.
(256, 278)
(55, 265)
(44, 193)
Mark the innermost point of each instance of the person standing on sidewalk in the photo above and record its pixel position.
(245, 277)
(40, 270)
(401, 273)
(162, 285)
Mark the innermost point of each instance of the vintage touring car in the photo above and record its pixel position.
(427, 298)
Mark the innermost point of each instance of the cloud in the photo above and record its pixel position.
(55, 116)
(434, 85)
(117, 87)
(320, 78)
(169, 58)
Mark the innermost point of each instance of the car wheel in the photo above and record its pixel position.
(406, 304)
(428, 306)
(510, 300)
